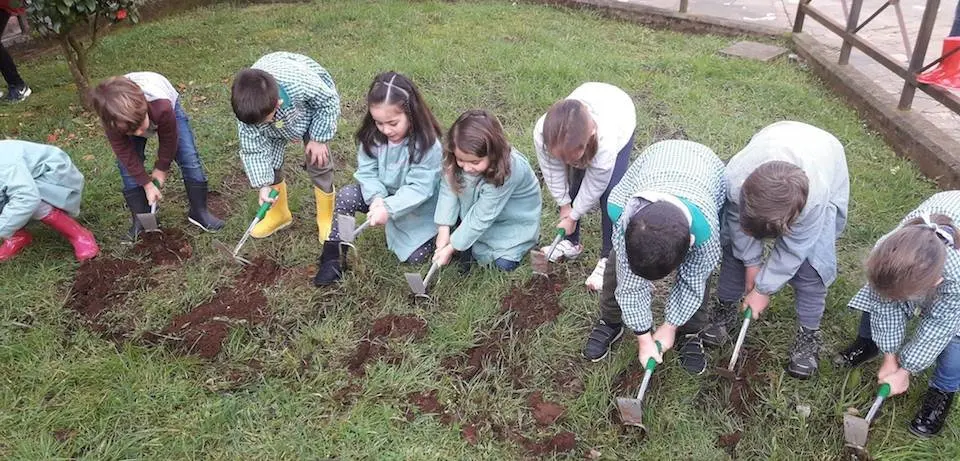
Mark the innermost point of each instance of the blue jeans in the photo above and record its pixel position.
(575, 178)
(946, 375)
(188, 159)
(506, 265)
(955, 30)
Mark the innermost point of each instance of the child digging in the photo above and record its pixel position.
(583, 146)
(282, 98)
(489, 193)
(914, 269)
(398, 169)
(137, 106)
(666, 213)
(39, 182)
(788, 184)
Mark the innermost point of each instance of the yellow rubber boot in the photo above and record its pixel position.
(325, 205)
(278, 217)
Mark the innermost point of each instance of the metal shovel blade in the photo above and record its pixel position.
(347, 225)
(539, 262)
(415, 281)
(631, 412)
(855, 431)
(223, 248)
(149, 220)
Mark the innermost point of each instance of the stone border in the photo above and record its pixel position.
(662, 18)
(909, 133)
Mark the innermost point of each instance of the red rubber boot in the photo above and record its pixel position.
(947, 74)
(84, 244)
(14, 244)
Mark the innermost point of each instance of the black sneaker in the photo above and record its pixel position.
(18, 93)
(722, 322)
(805, 354)
(692, 357)
(861, 351)
(932, 414)
(331, 265)
(601, 338)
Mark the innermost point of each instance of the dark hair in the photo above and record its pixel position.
(910, 261)
(395, 89)
(478, 133)
(254, 95)
(567, 132)
(772, 198)
(120, 103)
(657, 240)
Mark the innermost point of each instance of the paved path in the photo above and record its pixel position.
(883, 32)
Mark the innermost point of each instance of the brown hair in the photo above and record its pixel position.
(477, 132)
(120, 103)
(772, 198)
(910, 261)
(396, 89)
(567, 132)
(253, 95)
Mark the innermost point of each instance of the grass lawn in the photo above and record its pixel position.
(289, 383)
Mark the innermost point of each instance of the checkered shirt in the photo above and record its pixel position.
(684, 169)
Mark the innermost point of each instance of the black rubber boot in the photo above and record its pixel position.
(332, 264)
(137, 203)
(932, 414)
(199, 215)
(862, 350)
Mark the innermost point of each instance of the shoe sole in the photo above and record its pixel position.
(278, 229)
(798, 375)
(845, 365)
(920, 434)
(205, 229)
(605, 354)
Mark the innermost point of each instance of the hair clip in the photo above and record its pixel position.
(391, 86)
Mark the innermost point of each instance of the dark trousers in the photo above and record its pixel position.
(7, 66)
(575, 177)
(610, 309)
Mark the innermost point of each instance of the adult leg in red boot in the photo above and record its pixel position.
(14, 244)
(84, 244)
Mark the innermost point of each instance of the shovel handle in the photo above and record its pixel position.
(651, 363)
(561, 232)
(430, 273)
(266, 205)
(884, 391)
(747, 312)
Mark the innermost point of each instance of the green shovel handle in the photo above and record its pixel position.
(561, 233)
(156, 183)
(266, 205)
(651, 363)
(884, 391)
(748, 312)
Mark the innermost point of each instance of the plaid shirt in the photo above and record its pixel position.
(690, 171)
(309, 109)
(939, 315)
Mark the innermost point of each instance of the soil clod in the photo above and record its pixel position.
(373, 346)
(546, 413)
(100, 286)
(169, 246)
(729, 442)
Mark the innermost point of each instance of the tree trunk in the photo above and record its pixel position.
(77, 63)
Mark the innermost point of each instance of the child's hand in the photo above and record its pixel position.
(160, 176)
(758, 303)
(378, 215)
(153, 194)
(750, 276)
(899, 381)
(443, 255)
(317, 153)
(568, 225)
(666, 335)
(265, 195)
(647, 349)
(377, 202)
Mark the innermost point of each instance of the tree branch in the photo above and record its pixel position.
(96, 28)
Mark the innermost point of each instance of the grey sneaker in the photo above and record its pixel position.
(18, 93)
(805, 354)
(722, 322)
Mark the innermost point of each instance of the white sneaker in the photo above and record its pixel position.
(595, 280)
(565, 250)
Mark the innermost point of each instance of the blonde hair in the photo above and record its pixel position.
(120, 103)
(771, 199)
(910, 261)
(567, 132)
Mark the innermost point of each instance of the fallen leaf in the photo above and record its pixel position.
(52, 138)
(88, 157)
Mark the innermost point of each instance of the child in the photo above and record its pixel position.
(39, 182)
(583, 146)
(286, 97)
(137, 106)
(915, 268)
(789, 184)
(17, 90)
(491, 191)
(666, 211)
(398, 168)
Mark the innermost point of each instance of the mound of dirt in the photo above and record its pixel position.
(261, 272)
(742, 394)
(427, 403)
(169, 246)
(729, 443)
(469, 433)
(546, 413)
(563, 442)
(99, 286)
(534, 303)
(373, 344)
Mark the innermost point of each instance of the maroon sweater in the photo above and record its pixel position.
(160, 113)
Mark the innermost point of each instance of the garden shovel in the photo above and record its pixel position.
(348, 228)
(148, 221)
(235, 254)
(418, 285)
(541, 261)
(730, 371)
(855, 429)
(631, 410)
